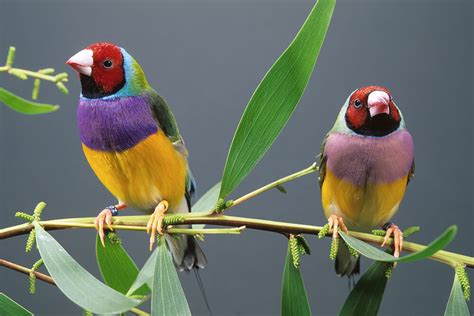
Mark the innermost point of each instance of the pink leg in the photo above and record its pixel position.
(106, 216)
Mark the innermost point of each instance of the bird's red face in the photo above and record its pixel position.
(100, 67)
(371, 112)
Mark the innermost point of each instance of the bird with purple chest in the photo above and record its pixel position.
(366, 163)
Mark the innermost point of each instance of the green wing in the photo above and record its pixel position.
(167, 122)
(322, 163)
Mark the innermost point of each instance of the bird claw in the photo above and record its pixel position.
(104, 216)
(155, 223)
(335, 222)
(397, 239)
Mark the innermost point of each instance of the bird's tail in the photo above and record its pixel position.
(187, 253)
(346, 264)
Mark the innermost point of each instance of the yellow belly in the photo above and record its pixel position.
(361, 207)
(143, 175)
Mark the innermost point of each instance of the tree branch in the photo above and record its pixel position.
(139, 223)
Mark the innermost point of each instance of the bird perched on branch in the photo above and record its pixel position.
(366, 163)
(131, 140)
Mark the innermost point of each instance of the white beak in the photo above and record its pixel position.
(82, 62)
(378, 103)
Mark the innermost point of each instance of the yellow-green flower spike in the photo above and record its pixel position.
(87, 313)
(32, 276)
(352, 251)
(62, 87)
(389, 271)
(38, 209)
(411, 230)
(36, 87)
(303, 245)
(18, 74)
(463, 280)
(46, 71)
(229, 203)
(10, 56)
(114, 238)
(31, 240)
(173, 220)
(220, 206)
(25, 216)
(379, 232)
(334, 247)
(324, 231)
(32, 282)
(295, 251)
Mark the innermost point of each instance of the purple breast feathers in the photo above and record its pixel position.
(114, 125)
(364, 160)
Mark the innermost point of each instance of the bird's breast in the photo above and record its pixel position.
(114, 125)
(365, 160)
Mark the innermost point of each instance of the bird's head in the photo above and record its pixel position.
(106, 69)
(370, 111)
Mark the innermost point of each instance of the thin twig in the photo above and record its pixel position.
(139, 223)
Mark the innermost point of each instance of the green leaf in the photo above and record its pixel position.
(373, 253)
(24, 106)
(145, 275)
(77, 283)
(118, 270)
(457, 305)
(167, 295)
(366, 296)
(206, 202)
(294, 300)
(10, 307)
(275, 98)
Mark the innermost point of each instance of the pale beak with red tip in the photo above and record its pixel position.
(378, 103)
(82, 62)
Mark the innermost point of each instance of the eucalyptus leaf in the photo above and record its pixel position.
(457, 305)
(118, 270)
(10, 307)
(77, 283)
(206, 202)
(275, 98)
(145, 275)
(294, 300)
(167, 297)
(373, 253)
(24, 106)
(366, 296)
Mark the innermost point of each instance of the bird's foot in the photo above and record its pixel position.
(155, 223)
(336, 222)
(390, 229)
(106, 217)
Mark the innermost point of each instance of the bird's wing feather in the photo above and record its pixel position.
(411, 173)
(167, 122)
(322, 163)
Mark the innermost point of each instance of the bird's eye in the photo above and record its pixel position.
(107, 63)
(357, 104)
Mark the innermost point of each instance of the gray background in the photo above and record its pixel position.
(206, 58)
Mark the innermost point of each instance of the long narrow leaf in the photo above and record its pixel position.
(457, 305)
(373, 253)
(276, 97)
(10, 307)
(294, 300)
(145, 275)
(24, 106)
(118, 270)
(366, 296)
(167, 297)
(206, 202)
(77, 283)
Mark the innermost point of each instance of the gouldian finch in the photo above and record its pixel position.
(131, 140)
(366, 163)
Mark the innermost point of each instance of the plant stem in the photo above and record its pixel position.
(139, 223)
(314, 167)
(48, 279)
